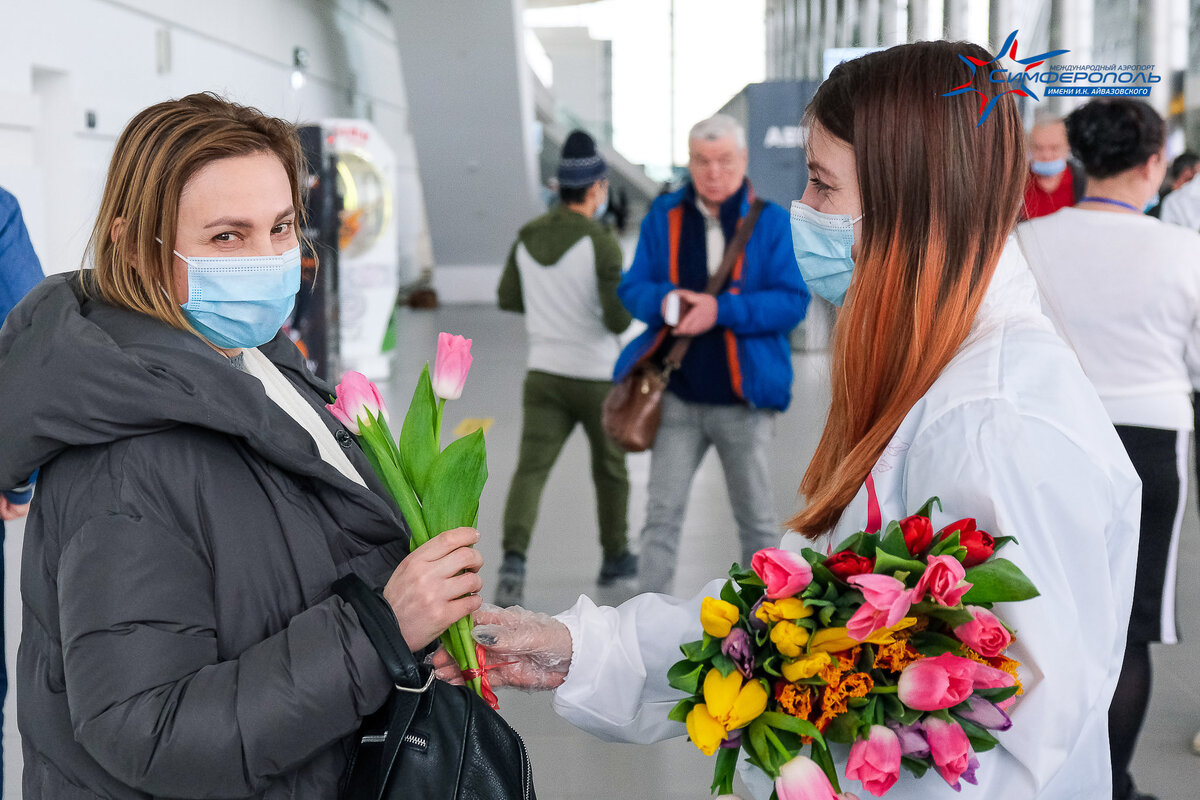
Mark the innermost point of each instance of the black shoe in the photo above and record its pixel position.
(613, 568)
(510, 587)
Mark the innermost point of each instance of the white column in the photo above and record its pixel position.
(892, 23)
(918, 20)
(868, 23)
(847, 22)
(956, 19)
(1154, 47)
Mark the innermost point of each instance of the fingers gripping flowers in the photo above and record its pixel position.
(888, 645)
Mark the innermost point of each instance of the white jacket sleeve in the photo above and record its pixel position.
(617, 685)
(1023, 477)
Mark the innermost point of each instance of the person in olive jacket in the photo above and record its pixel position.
(196, 499)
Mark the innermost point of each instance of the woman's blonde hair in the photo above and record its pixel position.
(940, 194)
(156, 155)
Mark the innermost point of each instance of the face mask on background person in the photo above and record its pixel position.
(1048, 169)
(241, 302)
(822, 244)
(602, 208)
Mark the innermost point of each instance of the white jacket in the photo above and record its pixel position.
(1011, 433)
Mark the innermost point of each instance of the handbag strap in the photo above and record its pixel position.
(718, 279)
(379, 623)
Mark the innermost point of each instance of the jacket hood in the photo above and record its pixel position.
(76, 371)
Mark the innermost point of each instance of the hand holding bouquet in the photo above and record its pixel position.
(888, 644)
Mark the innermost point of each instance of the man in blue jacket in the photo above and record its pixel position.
(20, 271)
(737, 373)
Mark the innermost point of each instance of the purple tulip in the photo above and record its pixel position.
(912, 739)
(969, 773)
(733, 740)
(754, 620)
(738, 647)
(986, 714)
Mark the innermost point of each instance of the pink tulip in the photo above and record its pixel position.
(984, 634)
(451, 366)
(802, 779)
(950, 748)
(943, 579)
(886, 603)
(875, 760)
(939, 682)
(784, 572)
(990, 678)
(356, 398)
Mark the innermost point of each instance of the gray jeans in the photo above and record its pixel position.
(740, 434)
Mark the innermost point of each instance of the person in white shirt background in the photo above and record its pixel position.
(1135, 332)
(947, 380)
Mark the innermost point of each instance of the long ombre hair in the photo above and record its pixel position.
(940, 194)
(159, 151)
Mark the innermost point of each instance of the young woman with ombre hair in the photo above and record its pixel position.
(947, 380)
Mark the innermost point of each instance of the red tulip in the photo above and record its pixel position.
(918, 533)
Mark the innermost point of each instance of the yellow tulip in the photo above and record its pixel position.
(834, 640)
(731, 702)
(805, 667)
(784, 608)
(789, 638)
(717, 617)
(704, 731)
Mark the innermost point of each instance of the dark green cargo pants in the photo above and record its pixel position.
(553, 405)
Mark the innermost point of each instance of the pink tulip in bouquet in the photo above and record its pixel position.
(888, 645)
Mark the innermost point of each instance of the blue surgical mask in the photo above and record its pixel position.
(601, 209)
(822, 245)
(1048, 169)
(241, 302)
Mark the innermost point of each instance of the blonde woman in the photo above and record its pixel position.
(196, 499)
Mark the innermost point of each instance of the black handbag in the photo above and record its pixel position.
(430, 740)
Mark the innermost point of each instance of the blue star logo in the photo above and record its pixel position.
(986, 104)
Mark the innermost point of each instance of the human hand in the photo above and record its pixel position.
(10, 511)
(525, 649)
(700, 314)
(435, 586)
(445, 668)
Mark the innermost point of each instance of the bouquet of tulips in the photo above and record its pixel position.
(887, 645)
(437, 489)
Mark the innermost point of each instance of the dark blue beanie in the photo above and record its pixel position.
(581, 165)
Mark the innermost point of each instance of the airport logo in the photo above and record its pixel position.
(999, 75)
(1059, 80)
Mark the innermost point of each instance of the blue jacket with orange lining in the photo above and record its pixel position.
(746, 356)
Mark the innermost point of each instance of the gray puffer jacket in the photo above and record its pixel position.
(179, 637)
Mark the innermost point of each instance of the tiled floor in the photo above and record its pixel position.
(565, 557)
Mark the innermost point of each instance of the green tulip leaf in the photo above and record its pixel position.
(893, 542)
(419, 444)
(724, 769)
(685, 676)
(886, 563)
(916, 766)
(724, 665)
(456, 478)
(730, 595)
(787, 722)
(947, 545)
(998, 580)
(682, 709)
(927, 509)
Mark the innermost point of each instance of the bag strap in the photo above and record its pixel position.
(379, 623)
(733, 253)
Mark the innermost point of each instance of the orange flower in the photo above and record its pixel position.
(856, 684)
(895, 656)
(796, 700)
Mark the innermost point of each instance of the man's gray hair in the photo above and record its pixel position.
(718, 126)
(1044, 118)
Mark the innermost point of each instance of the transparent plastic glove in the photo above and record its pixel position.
(525, 649)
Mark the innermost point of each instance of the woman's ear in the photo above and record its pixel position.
(116, 230)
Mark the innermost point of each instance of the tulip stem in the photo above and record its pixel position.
(437, 421)
(885, 689)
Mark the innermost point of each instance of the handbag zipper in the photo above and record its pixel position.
(409, 739)
(526, 767)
